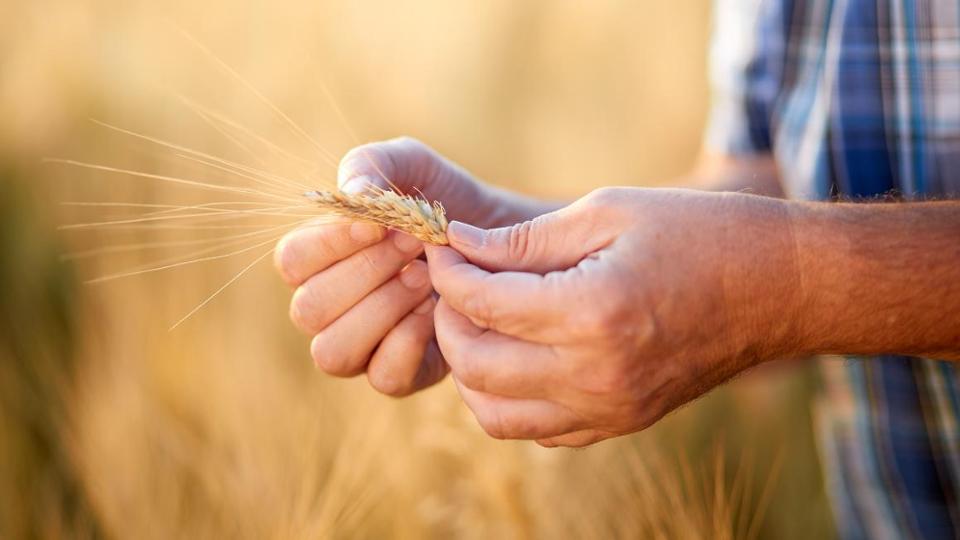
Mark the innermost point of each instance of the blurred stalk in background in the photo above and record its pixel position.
(41, 492)
(110, 425)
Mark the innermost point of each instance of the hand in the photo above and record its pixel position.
(361, 292)
(596, 320)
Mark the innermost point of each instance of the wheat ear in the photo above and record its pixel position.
(412, 215)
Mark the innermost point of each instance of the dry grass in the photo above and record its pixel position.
(222, 428)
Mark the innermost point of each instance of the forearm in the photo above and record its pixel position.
(878, 278)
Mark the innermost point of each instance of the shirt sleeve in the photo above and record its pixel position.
(743, 78)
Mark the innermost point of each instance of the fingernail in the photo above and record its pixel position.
(414, 276)
(356, 185)
(465, 234)
(365, 232)
(405, 242)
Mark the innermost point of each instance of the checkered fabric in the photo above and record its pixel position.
(857, 99)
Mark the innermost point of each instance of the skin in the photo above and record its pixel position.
(361, 292)
(576, 324)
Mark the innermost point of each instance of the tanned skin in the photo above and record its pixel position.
(570, 324)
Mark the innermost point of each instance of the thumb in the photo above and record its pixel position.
(551, 242)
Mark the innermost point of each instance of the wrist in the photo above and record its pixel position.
(841, 277)
(764, 279)
(509, 208)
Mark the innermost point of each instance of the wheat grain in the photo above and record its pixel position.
(412, 215)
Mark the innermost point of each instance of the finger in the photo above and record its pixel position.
(486, 361)
(550, 242)
(393, 163)
(407, 359)
(344, 347)
(330, 293)
(530, 306)
(310, 249)
(577, 439)
(433, 368)
(507, 418)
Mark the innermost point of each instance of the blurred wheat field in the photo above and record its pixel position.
(111, 426)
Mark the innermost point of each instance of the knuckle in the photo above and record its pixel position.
(382, 156)
(304, 312)
(518, 427)
(642, 414)
(610, 381)
(469, 371)
(393, 389)
(491, 421)
(296, 256)
(605, 317)
(383, 382)
(547, 443)
(410, 149)
(603, 197)
(286, 259)
(332, 361)
(477, 304)
(325, 245)
(519, 240)
(360, 156)
(608, 201)
(299, 313)
(581, 442)
(407, 142)
(329, 245)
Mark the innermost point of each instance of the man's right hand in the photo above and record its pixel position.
(361, 291)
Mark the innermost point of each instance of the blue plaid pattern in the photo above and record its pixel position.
(857, 99)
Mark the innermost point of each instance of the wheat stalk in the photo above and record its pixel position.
(412, 215)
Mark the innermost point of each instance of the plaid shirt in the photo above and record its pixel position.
(856, 99)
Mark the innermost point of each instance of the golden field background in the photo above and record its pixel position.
(111, 426)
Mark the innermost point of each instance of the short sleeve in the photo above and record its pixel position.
(743, 76)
